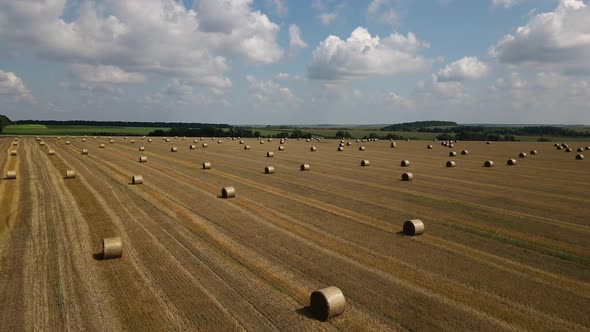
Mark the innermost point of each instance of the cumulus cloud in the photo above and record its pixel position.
(460, 70)
(279, 6)
(397, 100)
(295, 40)
(506, 3)
(380, 11)
(558, 40)
(269, 92)
(362, 55)
(104, 74)
(13, 86)
(327, 18)
(144, 36)
(180, 92)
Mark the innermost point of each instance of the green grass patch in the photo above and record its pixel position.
(35, 129)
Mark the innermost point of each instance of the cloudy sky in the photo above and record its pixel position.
(296, 62)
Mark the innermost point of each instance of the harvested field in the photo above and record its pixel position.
(505, 248)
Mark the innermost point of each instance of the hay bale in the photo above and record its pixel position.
(407, 176)
(269, 154)
(173, 149)
(361, 148)
(313, 148)
(192, 147)
(204, 145)
(261, 142)
(327, 302)
(405, 163)
(51, 152)
(241, 142)
(67, 142)
(559, 147)
(13, 152)
(413, 227)
(132, 141)
(464, 152)
(83, 140)
(270, 139)
(364, 162)
(305, 167)
(488, 163)
(125, 137)
(42, 143)
(429, 146)
(579, 157)
(452, 154)
(451, 145)
(112, 247)
(142, 148)
(568, 150)
(534, 152)
(149, 140)
(488, 142)
(269, 170)
(70, 174)
(167, 140)
(281, 148)
(137, 179)
(228, 192)
(407, 139)
(511, 162)
(522, 155)
(393, 145)
(246, 147)
(84, 151)
(308, 140)
(219, 142)
(348, 144)
(579, 150)
(340, 148)
(102, 146)
(587, 148)
(207, 165)
(143, 159)
(450, 163)
(10, 175)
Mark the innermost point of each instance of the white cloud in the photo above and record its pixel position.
(380, 11)
(362, 55)
(295, 40)
(269, 92)
(327, 18)
(512, 83)
(104, 74)
(144, 36)
(397, 100)
(506, 3)
(13, 86)
(558, 40)
(460, 70)
(179, 92)
(279, 6)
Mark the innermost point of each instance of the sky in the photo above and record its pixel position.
(296, 62)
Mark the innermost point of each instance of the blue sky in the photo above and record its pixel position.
(296, 62)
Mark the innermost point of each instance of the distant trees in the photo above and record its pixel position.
(4, 121)
(414, 126)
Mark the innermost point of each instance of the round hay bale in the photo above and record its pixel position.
(261, 142)
(143, 159)
(488, 163)
(269, 170)
(568, 150)
(407, 139)
(313, 148)
(67, 142)
(149, 140)
(111, 141)
(511, 162)
(413, 227)
(173, 149)
(207, 165)
(488, 142)
(393, 145)
(450, 163)
(10, 175)
(125, 137)
(534, 152)
(241, 142)
(361, 148)
(42, 143)
(167, 140)
(192, 147)
(340, 148)
(451, 145)
(112, 247)
(522, 155)
(579, 150)
(137, 179)
(269, 154)
(102, 146)
(587, 148)
(405, 163)
(429, 146)
(270, 139)
(407, 176)
(13, 152)
(84, 151)
(452, 154)
(308, 140)
(246, 147)
(70, 174)
(305, 167)
(51, 152)
(281, 148)
(142, 148)
(219, 142)
(83, 140)
(579, 157)
(559, 147)
(228, 192)
(327, 302)
(364, 162)
(348, 144)
(464, 152)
